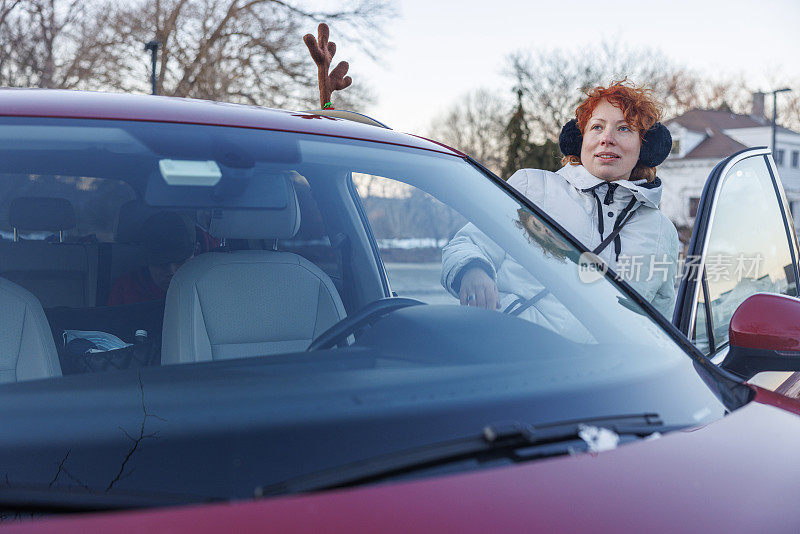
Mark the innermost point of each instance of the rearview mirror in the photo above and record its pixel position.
(764, 335)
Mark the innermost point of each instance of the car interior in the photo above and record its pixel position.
(59, 262)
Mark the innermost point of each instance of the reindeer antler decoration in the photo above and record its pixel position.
(322, 51)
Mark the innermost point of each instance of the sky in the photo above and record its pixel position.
(439, 50)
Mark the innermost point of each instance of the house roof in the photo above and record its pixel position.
(712, 123)
(699, 120)
(717, 145)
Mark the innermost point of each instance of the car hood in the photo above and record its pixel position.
(737, 474)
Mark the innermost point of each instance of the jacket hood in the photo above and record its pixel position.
(647, 192)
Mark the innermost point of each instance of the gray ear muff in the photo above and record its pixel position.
(570, 140)
(656, 146)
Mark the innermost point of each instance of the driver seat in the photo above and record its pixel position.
(245, 303)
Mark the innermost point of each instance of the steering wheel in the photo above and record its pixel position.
(366, 315)
(521, 304)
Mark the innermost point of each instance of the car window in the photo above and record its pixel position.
(747, 249)
(410, 227)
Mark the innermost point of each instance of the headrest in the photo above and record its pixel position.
(41, 213)
(282, 223)
(129, 221)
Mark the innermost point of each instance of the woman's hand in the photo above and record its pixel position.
(478, 289)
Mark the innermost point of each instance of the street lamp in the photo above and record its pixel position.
(152, 46)
(775, 114)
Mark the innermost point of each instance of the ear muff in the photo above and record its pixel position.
(656, 145)
(570, 139)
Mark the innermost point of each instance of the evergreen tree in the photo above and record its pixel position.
(521, 153)
(546, 156)
(518, 134)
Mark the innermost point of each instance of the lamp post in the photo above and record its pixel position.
(775, 114)
(152, 46)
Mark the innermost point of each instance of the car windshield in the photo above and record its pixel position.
(203, 310)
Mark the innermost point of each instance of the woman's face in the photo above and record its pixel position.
(610, 146)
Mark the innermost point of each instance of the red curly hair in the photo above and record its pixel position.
(638, 107)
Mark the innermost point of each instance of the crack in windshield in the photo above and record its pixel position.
(136, 440)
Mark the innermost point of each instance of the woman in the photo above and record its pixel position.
(606, 195)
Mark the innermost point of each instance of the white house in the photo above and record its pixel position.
(701, 138)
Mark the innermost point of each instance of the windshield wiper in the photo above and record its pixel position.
(511, 441)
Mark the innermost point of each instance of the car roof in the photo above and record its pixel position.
(121, 106)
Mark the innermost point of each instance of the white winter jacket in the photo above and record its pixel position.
(645, 252)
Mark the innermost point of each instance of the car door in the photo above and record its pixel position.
(743, 242)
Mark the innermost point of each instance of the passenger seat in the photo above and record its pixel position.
(27, 349)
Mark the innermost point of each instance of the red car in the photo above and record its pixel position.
(239, 315)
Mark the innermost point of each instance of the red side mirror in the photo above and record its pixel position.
(764, 335)
(766, 321)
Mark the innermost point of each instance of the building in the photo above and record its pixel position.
(701, 138)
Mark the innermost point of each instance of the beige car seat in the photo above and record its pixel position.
(238, 304)
(27, 349)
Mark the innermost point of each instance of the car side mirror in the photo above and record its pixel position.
(764, 336)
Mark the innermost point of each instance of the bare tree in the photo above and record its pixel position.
(554, 81)
(475, 125)
(684, 90)
(788, 103)
(232, 50)
(41, 41)
(789, 109)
